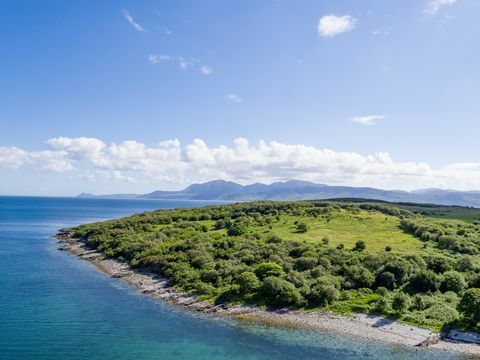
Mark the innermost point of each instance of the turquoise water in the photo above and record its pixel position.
(53, 306)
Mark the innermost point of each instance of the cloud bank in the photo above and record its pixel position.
(170, 162)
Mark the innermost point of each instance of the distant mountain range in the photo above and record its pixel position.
(302, 190)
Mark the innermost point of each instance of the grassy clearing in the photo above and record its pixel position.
(343, 227)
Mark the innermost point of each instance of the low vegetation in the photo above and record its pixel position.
(403, 261)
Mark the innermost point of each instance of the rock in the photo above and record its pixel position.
(469, 337)
(431, 340)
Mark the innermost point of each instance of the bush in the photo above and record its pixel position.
(248, 282)
(237, 229)
(469, 306)
(302, 228)
(322, 294)
(424, 281)
(453, 281)
(381, 305)
(269, 269)
(278, 292)
(400, 302)
(359, 246)
(386, 279)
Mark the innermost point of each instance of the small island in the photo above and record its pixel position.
(395, 272)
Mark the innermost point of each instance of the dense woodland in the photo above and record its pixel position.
(419, 264)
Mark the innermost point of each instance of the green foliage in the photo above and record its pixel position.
(424, 281)
(237, 229)
(269, 269)
(278, 292)
(302, 228)
(400, 302)
(359, 246)
(469, 306)
(248, 282)
(453, 281)
(259, 252)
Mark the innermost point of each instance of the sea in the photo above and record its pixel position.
(55, 306)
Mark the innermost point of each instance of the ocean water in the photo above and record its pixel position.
(54, 306)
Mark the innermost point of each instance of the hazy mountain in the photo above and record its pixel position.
(304, 190)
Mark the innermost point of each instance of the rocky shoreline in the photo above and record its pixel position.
(368, 327)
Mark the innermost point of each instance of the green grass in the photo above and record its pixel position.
(343, 227)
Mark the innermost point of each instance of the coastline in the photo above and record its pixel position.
(367, 327)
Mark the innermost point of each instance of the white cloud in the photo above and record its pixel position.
(234, 98)
(206, 70)
(367, 120)
(433, 6)
(331, 25)
(90, 159)
(183, 62)
(129, 18)
(155, 59)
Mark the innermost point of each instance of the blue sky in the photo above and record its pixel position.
(78, 79)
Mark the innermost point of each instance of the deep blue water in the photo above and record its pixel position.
(54, 306)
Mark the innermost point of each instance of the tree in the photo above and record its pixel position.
(220, 224)
(248, 282)
(453, 281)
(357, 276)
(400, 302)
(267, 269)
(322, 294)
(359, 246)
(386, 279)
(424, 281)
(279, 292)
(469, 306)
(237, 229)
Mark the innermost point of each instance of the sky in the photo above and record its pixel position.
(120, 96)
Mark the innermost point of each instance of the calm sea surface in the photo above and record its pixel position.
(53, 306)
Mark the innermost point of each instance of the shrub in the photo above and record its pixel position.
(237, 229)
(424, 281)
(278, 292)
(305, 263)
(381, 305)
(302, 228)
(469, 306)
(359, 246)
(452, 281)
(386, 279)
(400, 302)
(248, 282)
(268, 269)
(322, 294)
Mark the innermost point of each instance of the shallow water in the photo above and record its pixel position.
(53, 306)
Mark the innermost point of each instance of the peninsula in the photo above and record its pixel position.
(401, 273)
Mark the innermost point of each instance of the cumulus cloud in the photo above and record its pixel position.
(129, 18)
(90, 159)
(234, 98)
(331, 25)
(433, 6)
(206, 70)
(367, 120)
